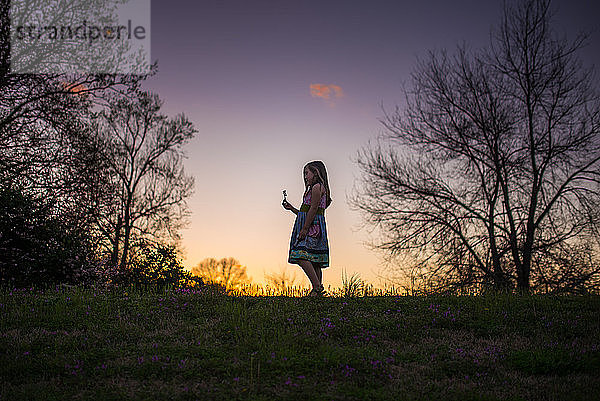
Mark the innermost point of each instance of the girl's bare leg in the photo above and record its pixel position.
(319, 273)
(310, 272)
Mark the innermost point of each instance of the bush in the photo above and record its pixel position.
(37, 248)
(157, 266)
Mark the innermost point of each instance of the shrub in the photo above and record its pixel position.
(157, 266)
(38, 248)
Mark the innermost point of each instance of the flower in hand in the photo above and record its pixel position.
(286, 205)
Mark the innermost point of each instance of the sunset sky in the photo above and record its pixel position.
(271, 85)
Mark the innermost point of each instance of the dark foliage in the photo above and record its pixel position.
(36, 248)
(158, 267)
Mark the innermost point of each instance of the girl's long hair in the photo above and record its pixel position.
(318, 168)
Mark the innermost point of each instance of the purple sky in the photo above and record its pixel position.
(242, 71)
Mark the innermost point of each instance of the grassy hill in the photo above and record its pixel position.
(186, 345)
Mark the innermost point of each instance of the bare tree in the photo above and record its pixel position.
(43, 140)
(143, 157)
(227, 272)
(491, 175)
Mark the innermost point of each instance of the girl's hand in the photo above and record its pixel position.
(286, 205)
(302, 233)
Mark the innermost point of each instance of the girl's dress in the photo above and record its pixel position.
(314, 246)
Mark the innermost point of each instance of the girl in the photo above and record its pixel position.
(309, 247)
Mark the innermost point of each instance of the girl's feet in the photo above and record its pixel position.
(317, 292)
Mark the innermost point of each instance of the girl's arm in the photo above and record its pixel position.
(288, 206)
(315, 198)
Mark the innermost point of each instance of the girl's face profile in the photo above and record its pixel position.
(309, 176)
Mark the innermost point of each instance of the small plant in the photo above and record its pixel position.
(353, 286)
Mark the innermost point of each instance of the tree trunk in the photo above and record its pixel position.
(114, 259)
(524, 273)
(127, 234)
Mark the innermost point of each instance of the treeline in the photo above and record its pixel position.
(92, 185)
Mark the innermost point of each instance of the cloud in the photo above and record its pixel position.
(327, 92)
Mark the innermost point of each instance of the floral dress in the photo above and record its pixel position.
(314, 247)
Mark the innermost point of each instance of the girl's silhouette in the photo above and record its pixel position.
(309, 246)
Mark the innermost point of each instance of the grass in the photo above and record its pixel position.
(186, 345)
